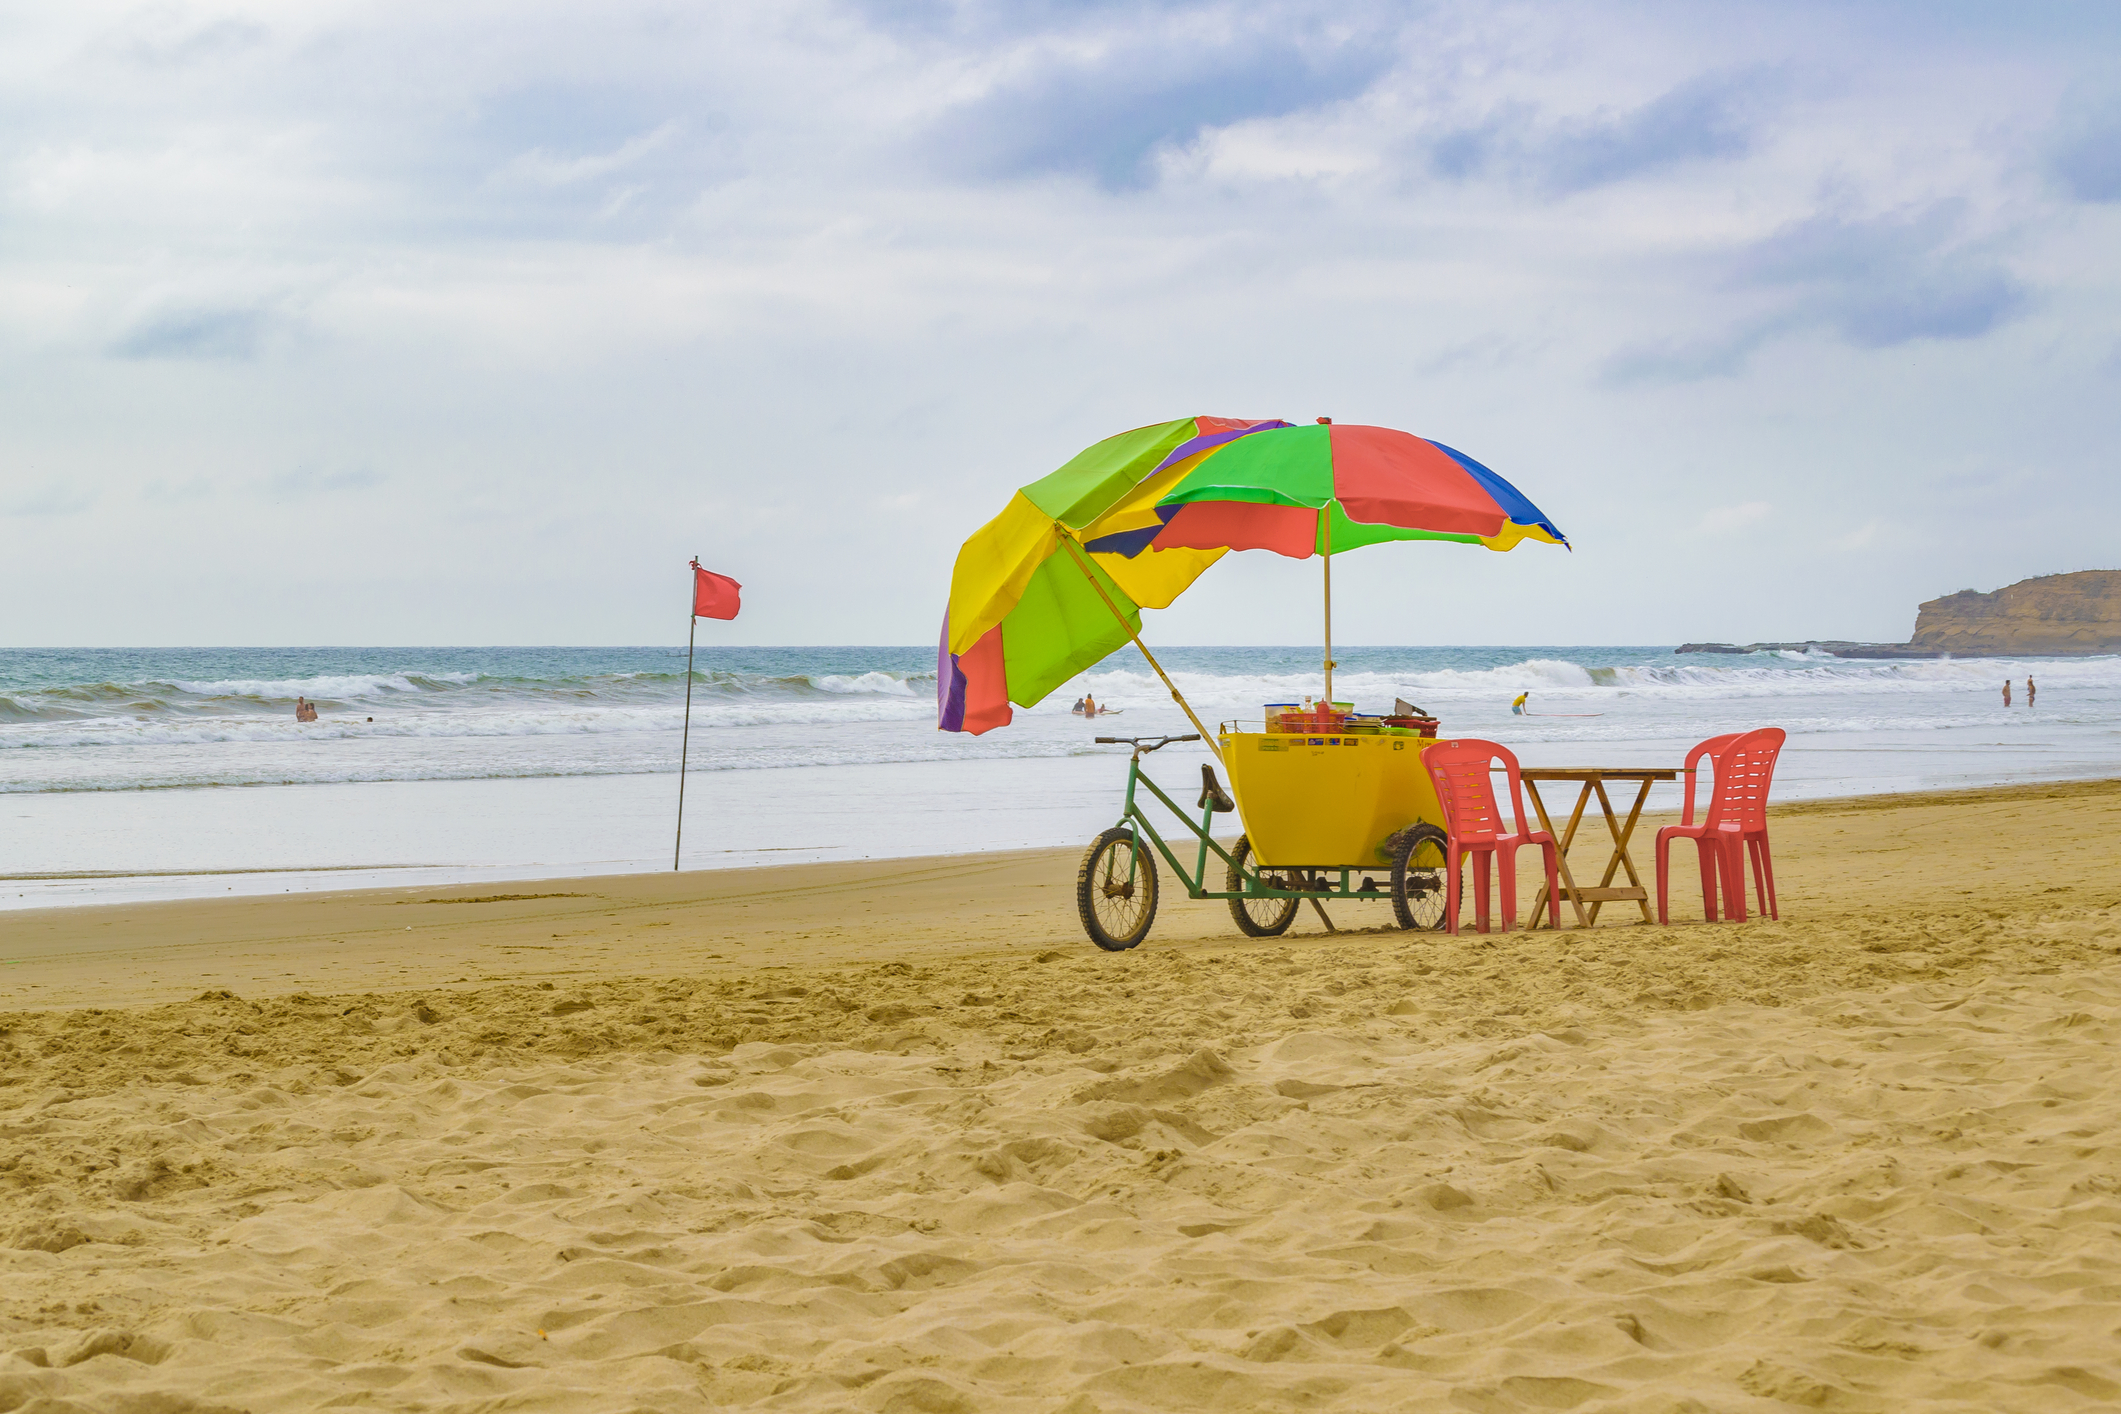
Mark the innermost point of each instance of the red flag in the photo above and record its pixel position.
(714, 596)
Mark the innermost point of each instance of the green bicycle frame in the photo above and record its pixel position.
(1137, 821)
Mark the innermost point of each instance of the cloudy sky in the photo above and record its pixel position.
(472, 323)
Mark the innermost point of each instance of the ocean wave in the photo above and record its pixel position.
(706, 716)
(1372, 691)
(430, 691)
(225, 717)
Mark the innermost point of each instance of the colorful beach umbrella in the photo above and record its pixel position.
(1056, 582)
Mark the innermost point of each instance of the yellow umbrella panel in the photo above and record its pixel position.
(1030, 607)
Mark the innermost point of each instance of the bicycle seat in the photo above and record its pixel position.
(1212, 795)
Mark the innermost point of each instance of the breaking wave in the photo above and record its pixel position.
(138, 719)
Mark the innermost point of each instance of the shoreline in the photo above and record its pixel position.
(813, 914)
(772, 816)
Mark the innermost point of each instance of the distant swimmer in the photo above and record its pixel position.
(1517, 708)
(305, 710)
(2006, 692)
(2029, 689)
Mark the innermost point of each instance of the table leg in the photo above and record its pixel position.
(1561, 854)
(1627, 832)
(1621, 835)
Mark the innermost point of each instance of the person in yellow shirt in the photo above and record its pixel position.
(1517, 707)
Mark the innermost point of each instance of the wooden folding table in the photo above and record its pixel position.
(1593, 781)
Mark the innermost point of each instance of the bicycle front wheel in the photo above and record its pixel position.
(1115, 890)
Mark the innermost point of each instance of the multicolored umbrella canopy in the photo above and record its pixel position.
(1300, 491)
(1057, 581)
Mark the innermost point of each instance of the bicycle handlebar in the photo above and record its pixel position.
(1144, 743)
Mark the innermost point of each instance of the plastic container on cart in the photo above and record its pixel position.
(1421, 726)
(1300, 724)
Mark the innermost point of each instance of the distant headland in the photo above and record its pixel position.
(2052, 615)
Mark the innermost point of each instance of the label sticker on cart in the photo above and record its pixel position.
(1318, 741)
(1268, 743)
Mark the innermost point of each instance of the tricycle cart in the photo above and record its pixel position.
(1339, 815)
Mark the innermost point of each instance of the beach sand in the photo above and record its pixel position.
(893, 1137)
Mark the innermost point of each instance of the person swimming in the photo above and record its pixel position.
(1517, 708)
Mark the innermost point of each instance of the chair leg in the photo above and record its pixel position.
(1711, 860)
(1752, 854)
(1452, 856)
(1767, 870)
(1553, 862)
(1731, 854)
(1481, 914)
(1664, 878)
(1506, 883)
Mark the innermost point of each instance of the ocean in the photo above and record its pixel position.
(139, 773)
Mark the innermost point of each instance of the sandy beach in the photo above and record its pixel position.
(893, 1137)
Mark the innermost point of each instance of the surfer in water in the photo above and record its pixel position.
(1517, 708)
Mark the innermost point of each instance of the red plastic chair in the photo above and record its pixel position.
(1464, 775)
(1732, 829)
(1710, 856)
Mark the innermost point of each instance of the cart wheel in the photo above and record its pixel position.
(1418, 895)
(1258, 917)
(1115, 890)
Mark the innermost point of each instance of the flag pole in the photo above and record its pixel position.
(692, 629)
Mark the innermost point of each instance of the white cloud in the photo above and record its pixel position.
(52, 498)
(1721, 520)
(809, 287)
(1861, 538)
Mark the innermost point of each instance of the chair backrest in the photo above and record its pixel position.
(1713, 748)
(1464, 774)
(1744, 771)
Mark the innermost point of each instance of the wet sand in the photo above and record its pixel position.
(894, 1137)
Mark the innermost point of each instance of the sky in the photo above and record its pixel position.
(392, 323)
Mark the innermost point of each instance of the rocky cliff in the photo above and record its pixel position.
(2054, 614)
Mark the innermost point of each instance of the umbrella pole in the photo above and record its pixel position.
(1176, 696)
(1326, 529)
